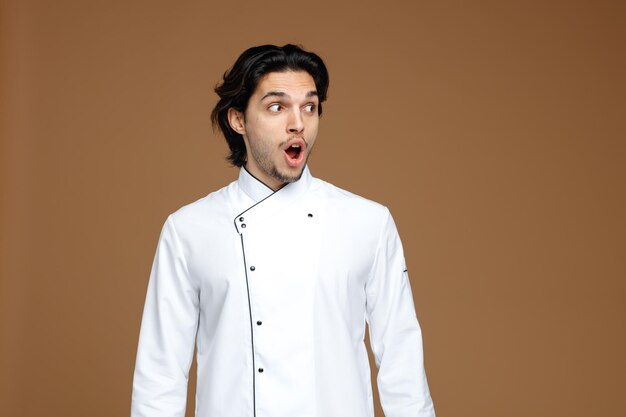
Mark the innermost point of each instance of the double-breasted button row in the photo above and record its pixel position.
(252, 268)
(258, 324)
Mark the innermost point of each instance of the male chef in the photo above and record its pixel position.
(275, 276)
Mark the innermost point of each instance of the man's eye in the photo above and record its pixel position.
(309, 108)
(274, 108)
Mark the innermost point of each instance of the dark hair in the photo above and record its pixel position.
(242, 79)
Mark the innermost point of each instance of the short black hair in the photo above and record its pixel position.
(242, 79)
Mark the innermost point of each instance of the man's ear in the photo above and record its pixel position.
(236, 121)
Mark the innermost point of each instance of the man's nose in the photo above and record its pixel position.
(295, 123)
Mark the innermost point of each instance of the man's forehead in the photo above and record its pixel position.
(290, 82)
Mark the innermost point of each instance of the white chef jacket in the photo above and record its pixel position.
(275, 289)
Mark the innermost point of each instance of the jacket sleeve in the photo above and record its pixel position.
(168, 331)
(395, 333)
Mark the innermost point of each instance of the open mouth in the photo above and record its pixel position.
(294, 151)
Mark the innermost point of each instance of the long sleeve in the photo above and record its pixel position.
(395, 334)
(168, 332)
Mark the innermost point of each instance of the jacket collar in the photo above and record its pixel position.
(252, 186)
(257, 190)
(267, 202)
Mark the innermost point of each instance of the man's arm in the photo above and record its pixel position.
(168, 332)
(395, 334)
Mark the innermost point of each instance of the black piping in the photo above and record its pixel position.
(252, 175)
(245, 269)
(252, 206)
(258, 202)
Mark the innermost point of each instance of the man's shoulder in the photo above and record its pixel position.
(349, 202)
(211, 206)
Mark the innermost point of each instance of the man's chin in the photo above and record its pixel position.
(288, 177)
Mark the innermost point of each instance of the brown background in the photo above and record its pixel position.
(494, 131)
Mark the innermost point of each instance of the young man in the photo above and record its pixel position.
(275, 275)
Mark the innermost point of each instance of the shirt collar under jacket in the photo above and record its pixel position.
(267, 202)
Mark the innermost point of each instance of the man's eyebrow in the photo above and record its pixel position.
(274, 94)
(281, 94)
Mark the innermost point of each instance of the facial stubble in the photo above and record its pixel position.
(264, 161)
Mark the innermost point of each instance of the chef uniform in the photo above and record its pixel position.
(275, 288)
